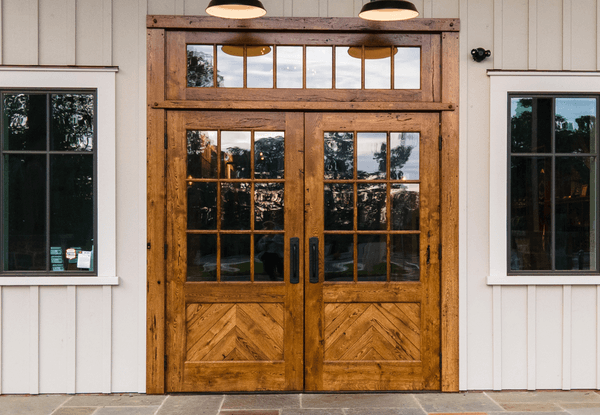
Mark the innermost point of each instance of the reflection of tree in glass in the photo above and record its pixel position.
(578, 138)
(16, 108)
(268, 158)
(405, 205)
(200, 69)
(73, 122)
(520, 126)
(236, 163)
(202, 154)
(339, 155)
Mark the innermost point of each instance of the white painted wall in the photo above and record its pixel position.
(511, 337)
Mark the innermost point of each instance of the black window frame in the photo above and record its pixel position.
(48, 272)
(553, 154)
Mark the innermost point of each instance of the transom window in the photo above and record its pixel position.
(553, 182)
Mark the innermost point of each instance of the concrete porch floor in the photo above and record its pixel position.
(473, 403)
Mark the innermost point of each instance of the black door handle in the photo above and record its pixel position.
(313, 246)
(294, 260)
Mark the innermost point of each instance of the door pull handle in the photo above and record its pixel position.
(313, 246)
(294, 260)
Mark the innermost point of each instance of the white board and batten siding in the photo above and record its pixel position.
(84, 339)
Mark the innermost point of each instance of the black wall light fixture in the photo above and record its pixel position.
(480, 54)
(236, 9)
(388, 10)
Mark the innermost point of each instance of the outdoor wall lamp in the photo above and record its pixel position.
(388, 10)
(480, 54)
(236, 9)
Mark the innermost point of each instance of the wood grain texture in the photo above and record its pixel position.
(234, 376)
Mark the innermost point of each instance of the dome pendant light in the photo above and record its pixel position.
(388, 10)
(236, 9)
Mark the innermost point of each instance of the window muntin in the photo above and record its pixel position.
(552, 181)
(48, 182)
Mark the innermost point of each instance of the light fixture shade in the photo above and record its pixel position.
(388, 10)
(236, 9)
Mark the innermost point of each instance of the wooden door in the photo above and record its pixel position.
(372, 284)
(234, 224)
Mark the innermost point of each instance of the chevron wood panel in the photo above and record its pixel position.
(234, 332)
(372, 331)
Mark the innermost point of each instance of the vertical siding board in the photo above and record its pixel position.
(20, 40)
(323, 8)
(107, 32)
(531, 339)
(566, 338)
(514, 337)
(90, 32)
(57, 32)
(514, 33)
(447, 9)
(1, 62)
(598, 330)
(1, 308)
(71, 32)
(288, 7)
(179, 7)
(71, 339)
(306, 8)
(89, 347)
(549, 36)
(106, 339)
(427, 9)
(598, 53)
(566, 24)
(162, 6)
(34, 340)
(275, 8)
(549, 333)
(15, 340)
(583, 335)
(498, 35)
(497, 336)
(532, 41)
(53, 322)
(340, 8)
(193, 8)
(583, 35)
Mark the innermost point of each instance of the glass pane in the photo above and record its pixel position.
(202, 154)
(371, 153)
(268, 206)
(268, 257)
(25, 122)
(405, 207)
(339, 156)
(404, 157)
(269, 155)
(339, 258)
(378, 68)
(407, 68)
(260, 66)
(202, 257)
(230, 67)
(289, 66)
(319, 66)
(339, 206)
(200, 61)
(235, 150)
(202, 206)
(24, 202)
(372, 258)
(531, 211)
(575, 125)
(372, 206)
(235, 257)
(404, 258)
(531, 125)
(235, 206)
(575, 213)
(348, 71)
(72, 206)
(72, 122)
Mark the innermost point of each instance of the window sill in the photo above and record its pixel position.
(544, 280)
(57, 281)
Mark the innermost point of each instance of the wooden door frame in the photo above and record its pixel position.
(157, 105)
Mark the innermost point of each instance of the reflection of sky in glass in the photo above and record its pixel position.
(573, 108)
(231, 68)
(378, 72)
(367, 144)
(201, 75)
(289, 66)
(319, 66)
(260, 71)
(347, 69)
(410, 169)
(407, 68)
(232, 139)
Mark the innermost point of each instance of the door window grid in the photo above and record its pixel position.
(238, 249)
(311, 67)
(355, 244)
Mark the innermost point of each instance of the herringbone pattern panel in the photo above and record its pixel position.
(377, 331)
(245, 331)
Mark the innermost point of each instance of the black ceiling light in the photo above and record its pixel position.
(236, 9)
(388, 10)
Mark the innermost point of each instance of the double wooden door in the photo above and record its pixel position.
(302, 251)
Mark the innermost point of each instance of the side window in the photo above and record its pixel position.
(553, 184)
(48, 182)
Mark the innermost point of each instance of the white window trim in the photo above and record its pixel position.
(501, 84)
(102, 79)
